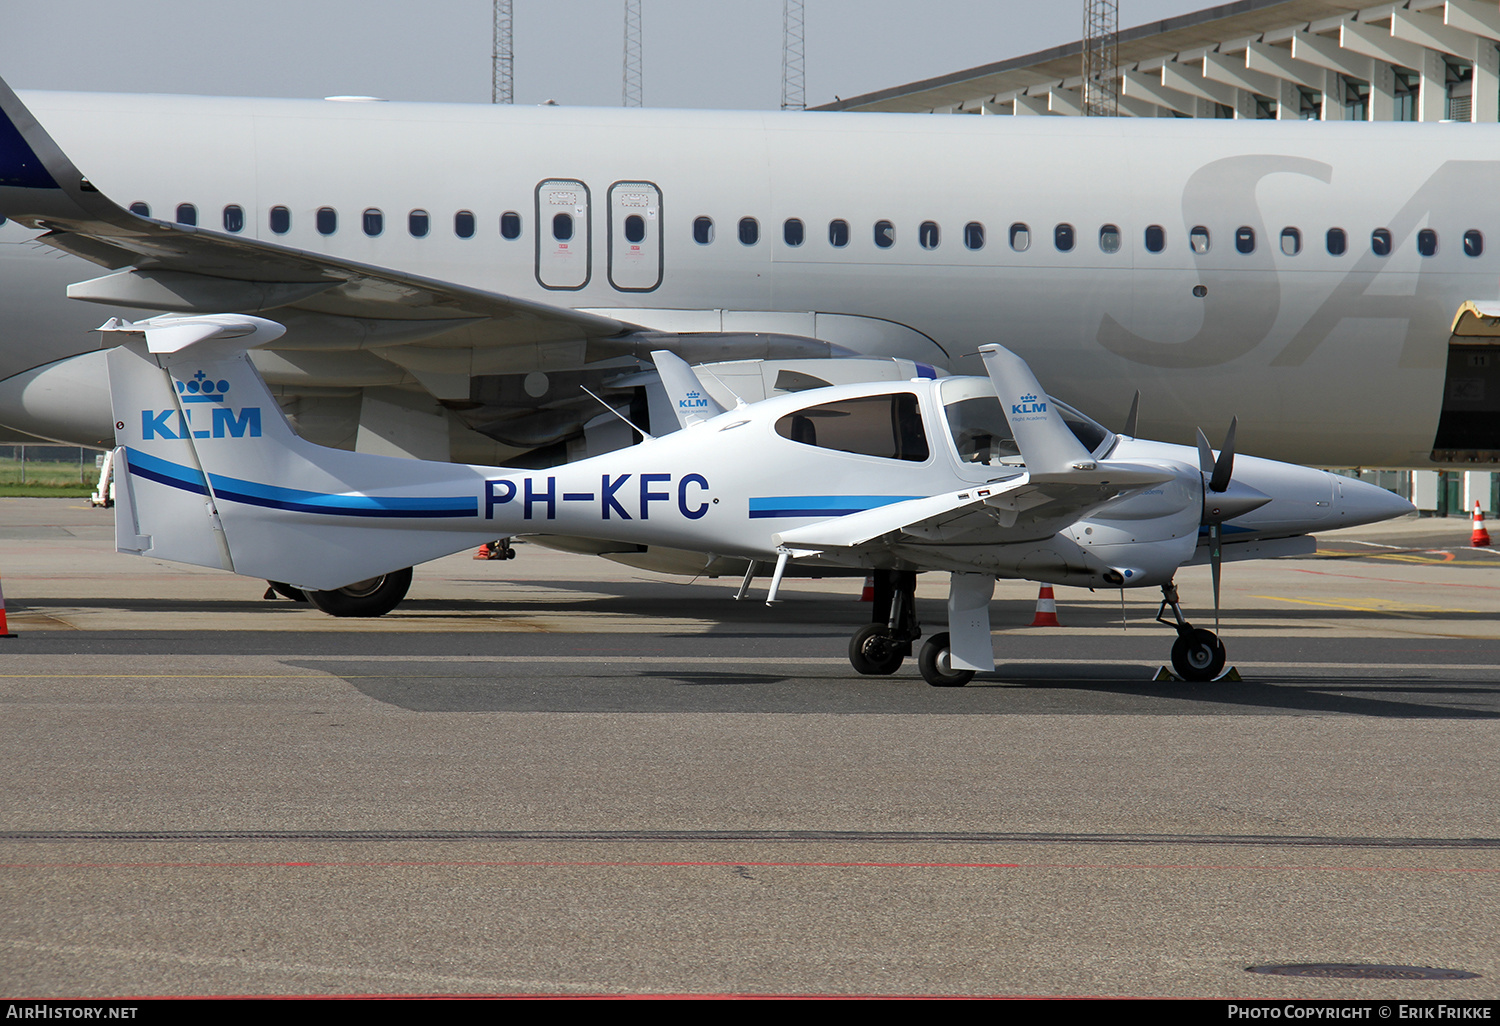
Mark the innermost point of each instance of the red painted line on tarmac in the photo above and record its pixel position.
(1392, 580)
(601, 996)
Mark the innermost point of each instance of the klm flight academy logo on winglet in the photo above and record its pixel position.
(1029, 404)
(693, 401)
(223, 422)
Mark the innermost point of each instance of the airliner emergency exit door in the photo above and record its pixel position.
(635, 253)
(563, 234)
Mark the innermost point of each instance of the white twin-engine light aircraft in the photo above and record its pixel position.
(982, 478)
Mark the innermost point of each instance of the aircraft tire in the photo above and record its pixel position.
(932, 661)
(287, 591)
(1198, 655)
(873, 652)
(375, 597)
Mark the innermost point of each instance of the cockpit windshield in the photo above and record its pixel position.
(981, 435)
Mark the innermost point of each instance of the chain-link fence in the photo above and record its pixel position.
(49, 466)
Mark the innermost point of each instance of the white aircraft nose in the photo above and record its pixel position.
(1359, 502)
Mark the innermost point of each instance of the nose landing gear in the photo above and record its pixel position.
(1197, 654)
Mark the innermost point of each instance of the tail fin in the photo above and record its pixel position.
(202, 440)
(1046, 443)
(690, 400)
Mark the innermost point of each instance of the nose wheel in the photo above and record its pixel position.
(1197, 654)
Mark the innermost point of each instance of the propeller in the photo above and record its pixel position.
(1222, 500)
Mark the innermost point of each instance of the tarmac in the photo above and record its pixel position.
(558, 775)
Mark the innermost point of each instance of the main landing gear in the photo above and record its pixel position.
(881, 646)
(1197, 654)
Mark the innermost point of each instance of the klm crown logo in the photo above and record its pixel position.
(1028, 404)
(223, 422)
(693, 401)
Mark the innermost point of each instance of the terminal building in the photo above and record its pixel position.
(1421, 60)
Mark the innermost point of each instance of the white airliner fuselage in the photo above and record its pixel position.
(1218, 266)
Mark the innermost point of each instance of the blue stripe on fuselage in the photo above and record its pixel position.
(775, 506)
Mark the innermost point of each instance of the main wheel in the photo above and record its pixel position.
(1198, 655)
(873, 651)
(375, 597)
(935, 662)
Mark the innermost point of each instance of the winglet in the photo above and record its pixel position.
(1046, 443)
(40, 186)
(690, 400)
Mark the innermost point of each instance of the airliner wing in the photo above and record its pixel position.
(166, 266)
(1026, 508)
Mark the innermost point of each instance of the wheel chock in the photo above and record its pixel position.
(1230, 675)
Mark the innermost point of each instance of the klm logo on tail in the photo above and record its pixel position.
(223, 422)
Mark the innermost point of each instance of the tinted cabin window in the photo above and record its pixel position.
(562, 227)
(1291, 241)
(1109, 239)
(635, 228)
(1063, 238)
(838, 234)
(928, 235)
(974, 235)
(418, 223)
(463, 224)
(1427, 242)
(373, 222)
(1156, 238)
(187, 213)
(887, 426)
(1198, 239)
(1473, 243)
(234, 218)
(749, 231)
(885, 234)
(703, 230)
(1244, 239)
(327, 221)
(510, 225)
(792, 232)
(1020, 237)
(143, 209)
(1338, 242)
(281, 220)
(1380, 242)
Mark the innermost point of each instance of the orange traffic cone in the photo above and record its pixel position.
(868, 594)
(1046, 608)
(483, 552)
(4, 628)
(1481, 537)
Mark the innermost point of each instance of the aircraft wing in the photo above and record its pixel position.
(162, 265)
(1026, 508)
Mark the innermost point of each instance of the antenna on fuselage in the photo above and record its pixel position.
(634, 427)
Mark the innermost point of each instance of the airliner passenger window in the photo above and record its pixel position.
(510, 225)
(1198, 239)
(749, 231)
(1109, 238)
(1062, 237)
(187, 213)
(1427, 242)
(373, 222)
(463, 224)
(1020, 237)
(327, 220)
(1338, 242)
(703, 230)
(418, 223)
(1156, 238)
(143, 209)
(635, 228)
(1380, 242)
(887, 426)
(1291, 241)
(885, 234)
(974, 235)
(1244, 239)
(927, 235)
(234, 218)
(1473, 243)
(281, 220)
(792, 232)
(562, 227)
(838, 234)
